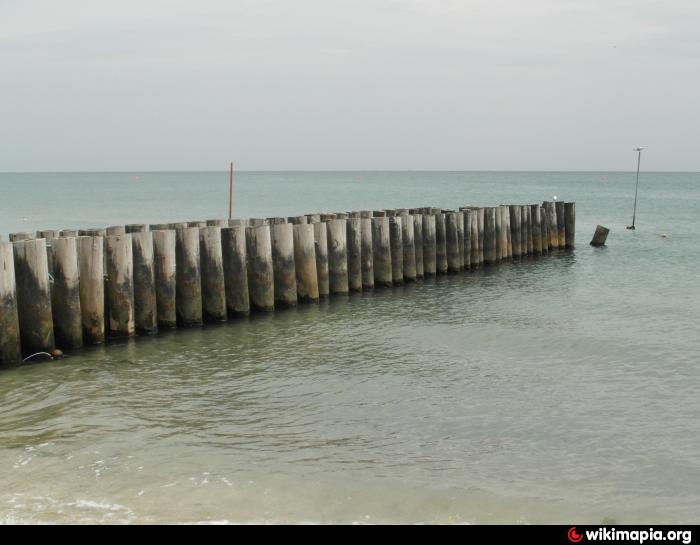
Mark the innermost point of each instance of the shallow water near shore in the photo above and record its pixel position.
(551, 389)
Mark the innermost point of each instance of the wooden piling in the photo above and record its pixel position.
(261, 276)
(552, 227)
(188, 277)
(298, 220)
(313, 218)
(452, 242)
(120, 285)
(233, 247)
(212, 274)
(544, 231)
(418, 243)
(165, 277)
(498, 229)
(197, 223)
(48, 234)
(480, 216)
(337, 256)
(536, 229)
(523, 230)
(10, 346)
(136, 228)
(354, 242)
(367, 253)
(570, 224)
(159, 227)
(408, 243)
(506, 223)
(429, 245)
(321, 243)
(460, 238)
(381, 252)
(65, 294)
(489, 235)
(145, 301)
(33, 296)
(17, 237)
(396, 241)
(116, 230)
(600, 236)
(467, 243)
(92, 289)
(217, 223)
(284, 270)
(305, 262)
(530, 241)
(561, 224)
(504, 229)
(441, 264)
(68, 233)
(514, 211)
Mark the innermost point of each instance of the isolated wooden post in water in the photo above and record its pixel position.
(261, 277)
(92, 289)
(429, 245)
(489, 235)
(282, 239)
(10, 346)
(561, 224)
(570, 215)
(321, 243)
(396, 243)
(418, 243)
(337, 256)
(165, 274)
(536, 229)
(33, 296)
(514, 210)
(145, 301)
(381, 250)
(600, 236)
(120, 285)
(452, 242)
(305, 262)
(233, 248)
(188, 277)
(354, 242)
(65, 294)
(367, 253)
(212, 271)
(409, 247)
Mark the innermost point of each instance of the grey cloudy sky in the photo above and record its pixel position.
(334, 84)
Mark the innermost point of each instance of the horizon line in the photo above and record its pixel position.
(341, 170)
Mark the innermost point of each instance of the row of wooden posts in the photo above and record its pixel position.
(73, 288)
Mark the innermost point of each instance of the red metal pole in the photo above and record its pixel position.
(230, 193)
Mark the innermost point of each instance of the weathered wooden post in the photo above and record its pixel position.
(441, 264)
(552, 227)
(313, 218)
(523, 230)
(489, 235)
(381, 250)
(337, 256)
(92, 289)
(429, 245)
(514, 211)
(600, 236)
(284, 270)
(145, 301)
(467, 243)
(408, 242)
(503, 233)
(136, 228)
(261, 276)
(159, 227)
(396, 242)
(233, 249)
(452, 242)
(354, 242)
(570, 215)
(165, 277)
(544, 231)
(65, 294)
(480, 216)
(188, 277)
(69, 233)
(321, 243)
(367, 253)
(197, 224)
(418, 243)
(471, 218)
(120, 284)
(48, 234)
(561, 224)
(498, 230)
(536, 229)
(257, 222)
(33, 296)
(10, 346)
(297, 220)
(530, 241)
(506, 224)
(212, 273)
(305, 262)
(327, 217)
(116, 230)
(217, 223)
(18, 237)
(238, 222)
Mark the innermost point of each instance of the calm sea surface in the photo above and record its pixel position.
(559, 389)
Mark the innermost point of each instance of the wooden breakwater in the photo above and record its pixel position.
(72, 288)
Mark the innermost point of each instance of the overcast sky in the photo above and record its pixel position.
(358, 84)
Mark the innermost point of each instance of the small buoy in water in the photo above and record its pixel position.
(56, 354)
(664, 235)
